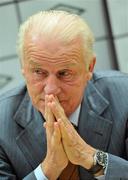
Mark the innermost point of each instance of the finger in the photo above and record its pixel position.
(45, 126)
(48, 135)
(48, 113)
(51, 133)
(66, 131)
(58, 110)
(56, 134)
(49, 119)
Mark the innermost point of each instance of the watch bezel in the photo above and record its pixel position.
(101, 158)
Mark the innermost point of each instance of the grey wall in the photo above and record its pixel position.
(107, 18)
(118, 12)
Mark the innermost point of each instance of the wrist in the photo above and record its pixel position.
(50, 170)
(88, 160)
(100, 160)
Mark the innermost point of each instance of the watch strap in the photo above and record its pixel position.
(95, 169)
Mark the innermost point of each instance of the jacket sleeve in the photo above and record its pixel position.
(118, 167)
(6, 169)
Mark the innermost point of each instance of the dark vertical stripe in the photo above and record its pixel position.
(108, 21)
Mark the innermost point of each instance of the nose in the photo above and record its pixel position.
(52, 85)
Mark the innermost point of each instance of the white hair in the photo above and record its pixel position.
(58, 25)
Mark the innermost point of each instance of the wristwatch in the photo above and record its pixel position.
(100, 160)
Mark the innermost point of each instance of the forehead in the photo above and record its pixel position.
(37, 47)
(52, 44)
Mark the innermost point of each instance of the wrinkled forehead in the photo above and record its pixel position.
(39, 43)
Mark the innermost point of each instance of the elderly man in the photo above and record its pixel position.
(67, 122)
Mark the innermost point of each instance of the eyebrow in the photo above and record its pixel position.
(34, 63)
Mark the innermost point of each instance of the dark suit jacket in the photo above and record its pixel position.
(102, 124)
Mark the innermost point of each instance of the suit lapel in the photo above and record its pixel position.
(31, 138)
(95, 123)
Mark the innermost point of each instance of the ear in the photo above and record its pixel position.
(92, 64)
(91, 68)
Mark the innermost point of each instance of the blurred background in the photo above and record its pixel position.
(107, 18)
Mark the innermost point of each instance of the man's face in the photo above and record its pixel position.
(53, 68)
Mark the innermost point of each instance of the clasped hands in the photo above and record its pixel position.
(63, 142)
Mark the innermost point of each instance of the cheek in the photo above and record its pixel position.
(76, 86)
(35, 92)
(35, 89)
(74, 93)
(75, 90)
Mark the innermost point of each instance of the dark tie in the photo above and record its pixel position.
(70, 172)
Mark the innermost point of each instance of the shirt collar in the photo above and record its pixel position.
(74, 117)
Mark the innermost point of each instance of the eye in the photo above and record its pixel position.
(40, 72)
(65, 74)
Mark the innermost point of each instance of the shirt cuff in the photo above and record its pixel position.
(39, 174)
(101, 177)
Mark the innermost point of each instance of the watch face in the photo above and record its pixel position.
(102, 158)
